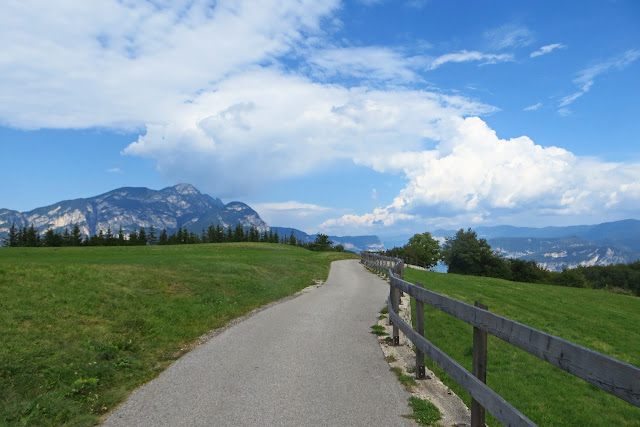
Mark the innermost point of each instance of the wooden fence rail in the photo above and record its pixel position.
(614, 376)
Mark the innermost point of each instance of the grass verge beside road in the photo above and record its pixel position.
(82, 327)
(602, 321)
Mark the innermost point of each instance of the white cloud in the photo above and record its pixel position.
(473, 175)
(533, 107)
(509, 36)
(222, 107)
(586, 78)
(263, 126)
(124, 64)
(374, 194)
(467, 56)
(367, 63)
(547, 49)
(114, 170)
(304, 208)
(385, 64)
(304, 216)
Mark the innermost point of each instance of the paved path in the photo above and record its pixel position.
(309, 361)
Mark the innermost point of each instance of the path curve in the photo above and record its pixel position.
(309, 361)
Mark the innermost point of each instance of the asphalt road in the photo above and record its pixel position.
(309, 361)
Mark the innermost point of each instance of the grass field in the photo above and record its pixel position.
(82, 327)
(602, 321)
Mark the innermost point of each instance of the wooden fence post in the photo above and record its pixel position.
(479, 369)
(395, 301)
(420, 372)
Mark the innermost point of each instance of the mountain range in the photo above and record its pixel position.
(184, 206)
(131, 208)
(555, 248)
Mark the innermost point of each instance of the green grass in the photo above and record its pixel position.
(602, 321)
(82, 327)
(407, 381)
(425, 413)
(378, 330)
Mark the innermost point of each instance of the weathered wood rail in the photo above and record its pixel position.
(611, 375)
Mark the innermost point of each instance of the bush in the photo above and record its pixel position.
(526, 271)
(569, 277)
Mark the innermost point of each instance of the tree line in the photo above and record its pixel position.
(30, 237)
(465, 253)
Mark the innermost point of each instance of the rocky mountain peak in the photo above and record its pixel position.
(134, 207)
(186, 189)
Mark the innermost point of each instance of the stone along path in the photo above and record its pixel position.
(309, 361)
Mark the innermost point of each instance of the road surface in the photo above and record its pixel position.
(309, 361)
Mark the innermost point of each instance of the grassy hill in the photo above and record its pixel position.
(82, 327)
(602, 321)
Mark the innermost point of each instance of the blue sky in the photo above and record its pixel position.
(362, 117)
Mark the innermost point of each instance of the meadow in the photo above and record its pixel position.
(600, 320)
(80, 328)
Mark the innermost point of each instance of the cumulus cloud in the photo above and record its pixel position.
(233, 98)
(473, 174)
(547, 49)
(586, 78)
(262, 126)
(124, 64)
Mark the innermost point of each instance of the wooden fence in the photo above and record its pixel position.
(611, 375)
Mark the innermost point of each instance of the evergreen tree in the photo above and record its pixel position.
(49, 238)
(218, 234)
(121, 240)
(22, 236)
(180, 236)
(238, 234)
(133, 238)
(229, 234)
(292, 239)
(204, 237)
(152, 239)
(173, 239)
(142, 237)
(66, 237)
(100, 240)
(322, 243)
(12, 239)
(32, 238)
(108, 238)
(270, 238)
(163, 239)
(76, 236)
(276, 238)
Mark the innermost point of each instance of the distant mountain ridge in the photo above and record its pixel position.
(350, 243)
(133, 207)
(556, 248)
(181, 205)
